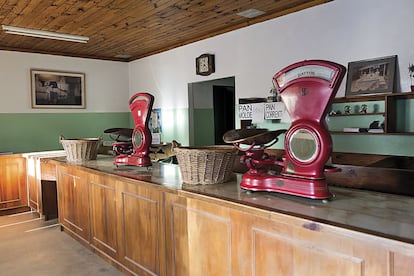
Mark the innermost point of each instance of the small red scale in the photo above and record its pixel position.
(140, 105)
(307, 89)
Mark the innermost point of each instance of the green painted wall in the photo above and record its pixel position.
(31, 132)
(27, 132)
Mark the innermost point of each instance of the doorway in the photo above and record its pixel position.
(211, 111)
(223, 102)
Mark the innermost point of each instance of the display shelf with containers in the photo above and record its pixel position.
(386, 113)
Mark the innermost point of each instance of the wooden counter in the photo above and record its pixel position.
(147, 222)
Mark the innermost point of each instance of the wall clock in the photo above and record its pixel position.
(205, 65)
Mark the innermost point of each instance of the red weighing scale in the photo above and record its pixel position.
(307, 89)
(140, 105)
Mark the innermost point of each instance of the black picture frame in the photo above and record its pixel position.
(371, 76)
(56, 89)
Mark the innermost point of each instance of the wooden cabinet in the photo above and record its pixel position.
(146, 229)
(41, 182)
(388, 109)
(13, 189)
(73, 201)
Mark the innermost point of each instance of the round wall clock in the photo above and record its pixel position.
(205, 65)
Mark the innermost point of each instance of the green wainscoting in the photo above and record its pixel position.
(393, 144)
(400, 145)
(28, 132)
(204, 127)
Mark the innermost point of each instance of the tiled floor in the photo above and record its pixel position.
(31, 246)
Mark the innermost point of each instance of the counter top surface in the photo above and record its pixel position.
(386, 215)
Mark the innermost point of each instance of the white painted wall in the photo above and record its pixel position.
(106, 82)
(340, 31)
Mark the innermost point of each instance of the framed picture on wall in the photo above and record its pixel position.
(55, 89)
(371, 76)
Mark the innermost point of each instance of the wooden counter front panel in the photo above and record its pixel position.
(198, 236)
(103, 217)
(140, 228)
(73, 201)
(403, 265)
(13, 188)
(288, 245)
(290, 256)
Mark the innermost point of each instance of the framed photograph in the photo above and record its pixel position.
(371, 76)
(54, 89)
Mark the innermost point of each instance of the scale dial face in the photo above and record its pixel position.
(137, 139)
(303, 145)
(314, 71)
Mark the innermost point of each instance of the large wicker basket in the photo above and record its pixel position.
(206, 165)
(83, 149)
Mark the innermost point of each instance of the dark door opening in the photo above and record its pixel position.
(224, 105)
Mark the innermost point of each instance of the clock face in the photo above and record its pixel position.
(205, 64)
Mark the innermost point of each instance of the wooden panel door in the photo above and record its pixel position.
(73, 201)
(198, 237)
(103, 217)
(291, 256)
(140, 228)
(13, 188)
(402, 264)
(286, 245)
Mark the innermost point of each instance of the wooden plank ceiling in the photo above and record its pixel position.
(130, 28)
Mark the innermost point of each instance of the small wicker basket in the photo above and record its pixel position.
(83, 149)
(206, 165)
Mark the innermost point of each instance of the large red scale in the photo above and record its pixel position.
(307, 89)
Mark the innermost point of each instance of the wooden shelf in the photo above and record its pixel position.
(374, 97)
(390, 111)
(358, 114)
(357, 133)
(371, 133)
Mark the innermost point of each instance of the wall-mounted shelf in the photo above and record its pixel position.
(358, 114)
(388, 108)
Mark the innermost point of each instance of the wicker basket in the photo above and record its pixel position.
(206, 165)
(83, 149)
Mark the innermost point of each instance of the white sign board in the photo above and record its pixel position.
(273, 110)
(257, 112)
(245, 112)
